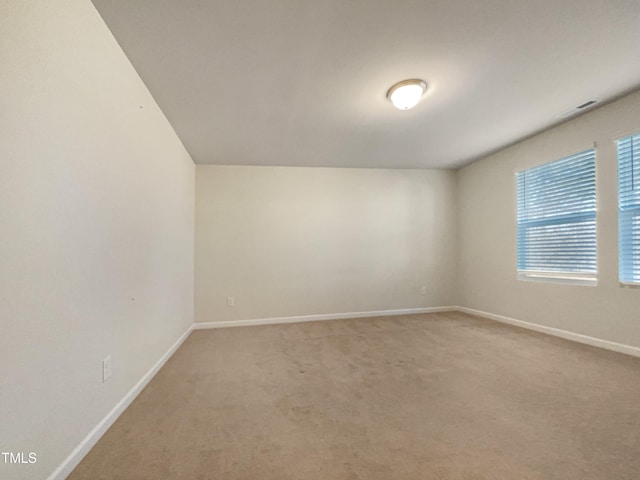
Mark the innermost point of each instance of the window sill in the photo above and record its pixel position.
(629, 285)
(561, 278)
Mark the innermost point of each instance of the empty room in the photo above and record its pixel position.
(311, 240)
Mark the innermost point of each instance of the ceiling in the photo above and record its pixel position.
(303, 82)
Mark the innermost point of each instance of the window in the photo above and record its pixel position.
(629, 208)
(557, 221)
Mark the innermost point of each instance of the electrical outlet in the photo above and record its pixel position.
(106, 368)
(423, 290)
(231, 302)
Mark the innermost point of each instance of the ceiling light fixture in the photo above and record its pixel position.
(406, 94)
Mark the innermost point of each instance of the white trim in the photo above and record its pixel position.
(313, 318)
(556, 332)
(576, 337)
(72, 461)
(588, 280)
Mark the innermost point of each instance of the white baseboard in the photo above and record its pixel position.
(576, 337)
(313, 318)
(72, 461)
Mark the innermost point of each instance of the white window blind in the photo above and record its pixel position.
(629, 208)
(557, 220)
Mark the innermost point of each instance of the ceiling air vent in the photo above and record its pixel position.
(579, 108)
(586, 104)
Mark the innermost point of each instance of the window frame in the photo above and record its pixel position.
(560, 277)
(622, 282)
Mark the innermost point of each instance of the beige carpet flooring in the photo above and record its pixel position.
(430, 397)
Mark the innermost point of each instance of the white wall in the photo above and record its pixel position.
(96, 229)
(287, 241)
(487, 233)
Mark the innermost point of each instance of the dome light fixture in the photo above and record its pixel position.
(406, 94)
